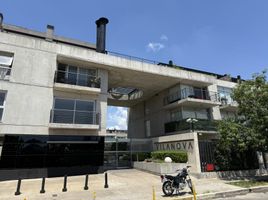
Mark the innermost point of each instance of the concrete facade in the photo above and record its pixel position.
(170, 94)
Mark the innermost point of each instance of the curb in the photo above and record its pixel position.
(229, 193)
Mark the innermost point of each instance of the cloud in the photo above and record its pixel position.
(163, 37)
(117, 118)
(154, 46)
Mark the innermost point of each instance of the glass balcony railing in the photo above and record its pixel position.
(77, 79)
(74, 117)
(195, 93)
(226, 99)
(182, 125)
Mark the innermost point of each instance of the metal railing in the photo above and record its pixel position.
(195, 93)
(182, 125)
(4, 72)
(134, 58)
(74, 116)
(77, 79)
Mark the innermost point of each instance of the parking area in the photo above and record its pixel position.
(127, 184)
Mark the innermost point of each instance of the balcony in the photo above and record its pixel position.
(68, 81)
(195, 97)
(74, 119)
(228, 104)
(4, 72)
(183, 126)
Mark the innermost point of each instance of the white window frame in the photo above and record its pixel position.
(3, 106)
(5, 69)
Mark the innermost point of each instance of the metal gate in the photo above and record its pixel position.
(117, 153)
(206, 152)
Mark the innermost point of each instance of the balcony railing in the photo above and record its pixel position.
(227, 100)
(74, 117)
(77, 79)
(182, 125)
(195, 93)
(4, 72)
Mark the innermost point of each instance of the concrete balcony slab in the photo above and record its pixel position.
(233, 107)
(76, 88)
(193, 102)
(74, 126)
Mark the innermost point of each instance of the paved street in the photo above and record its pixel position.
(250, 196)
(127, 184)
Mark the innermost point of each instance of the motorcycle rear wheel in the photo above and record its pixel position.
(167, 188)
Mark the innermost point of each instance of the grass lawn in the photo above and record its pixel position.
(247, 184)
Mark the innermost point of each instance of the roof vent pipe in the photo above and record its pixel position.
(50, 33)
(101, 34)
(1, 21)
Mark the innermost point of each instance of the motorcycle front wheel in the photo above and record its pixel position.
(167, 188)
(190, 185)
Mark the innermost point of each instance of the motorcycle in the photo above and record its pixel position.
(179, 182)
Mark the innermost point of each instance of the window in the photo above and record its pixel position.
(195, 113)
(225, 95)
(175, 115)
(148, 128)
(2, 103)
(73, 111)
(228, 115)
(77, 76)
(6, 60)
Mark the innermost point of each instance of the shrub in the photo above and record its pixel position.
(141, 156)
(176, 156)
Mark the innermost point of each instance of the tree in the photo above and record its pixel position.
(241, 137)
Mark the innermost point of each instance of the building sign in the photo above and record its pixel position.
(176, 145)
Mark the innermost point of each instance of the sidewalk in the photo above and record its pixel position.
(129, 184)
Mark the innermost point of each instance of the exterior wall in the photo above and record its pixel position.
(30, 90)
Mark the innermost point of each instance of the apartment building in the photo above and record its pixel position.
(54, 94)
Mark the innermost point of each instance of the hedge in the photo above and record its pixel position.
(176, 156)
(140, 156)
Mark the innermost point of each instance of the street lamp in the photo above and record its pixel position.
(191, 121)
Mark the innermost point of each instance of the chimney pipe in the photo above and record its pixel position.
(238, 79)
(1, 21)
(101, 32)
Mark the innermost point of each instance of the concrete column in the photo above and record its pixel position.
(265, 155)
(102, 100)
(216, 114)
(260, 160)
(196, 152)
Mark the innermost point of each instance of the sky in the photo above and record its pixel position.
(223, 36)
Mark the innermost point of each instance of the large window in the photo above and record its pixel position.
(73, 111)
(2, 103)
(6, 60)
(197, 113)
(77, 76)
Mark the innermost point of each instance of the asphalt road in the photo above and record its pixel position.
(250, 196)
